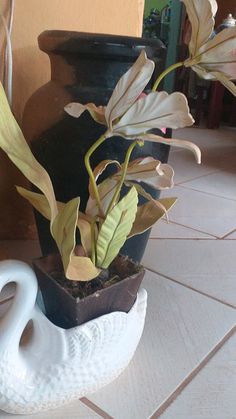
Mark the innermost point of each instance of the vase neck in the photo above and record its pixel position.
(61, 71)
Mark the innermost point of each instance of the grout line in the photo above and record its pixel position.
(207, 193)
(228, 234)
(195, 229)
(192, 228)
(197, 177)
(95, 408)
(191, 288)
(187, 380)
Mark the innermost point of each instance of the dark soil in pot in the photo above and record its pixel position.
(71, 303)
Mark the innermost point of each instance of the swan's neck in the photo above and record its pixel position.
(20, 312)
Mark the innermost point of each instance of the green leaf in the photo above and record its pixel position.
(148, 214)
(116, 228)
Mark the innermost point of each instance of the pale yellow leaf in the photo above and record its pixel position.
(99, 169)
(106, 190)
(13, 143)
(226, 82)
(85, 235)
(218, 55)
(201, 15)
(152, 172)
(141, 191)
(156, 110)
(129, 88)
(174, 142)
(63, 230)
(39, 201)
(76, 109)
(148, 214)
(81, 269)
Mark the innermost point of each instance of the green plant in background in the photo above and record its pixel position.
(109, 219)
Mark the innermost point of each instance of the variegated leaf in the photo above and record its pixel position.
(148, 214)
(201, 15)
(156, 110)
(116, 228)
(13, 143)
(128, 88)
(76, 109)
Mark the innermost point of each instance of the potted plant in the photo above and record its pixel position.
(109, 218)
(88, 278)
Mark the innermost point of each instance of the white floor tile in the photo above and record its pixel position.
(211, 394)
(220, 184)
(206, 265)
(231, 236)
(75, 410)
(206, 138)
(207, 213)
(164, 229)
(186, 168)
(181, 327)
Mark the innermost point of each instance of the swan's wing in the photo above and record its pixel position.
(98, 337)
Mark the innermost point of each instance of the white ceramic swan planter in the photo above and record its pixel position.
(56, 366)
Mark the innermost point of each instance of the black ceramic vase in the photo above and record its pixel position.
(84, 68)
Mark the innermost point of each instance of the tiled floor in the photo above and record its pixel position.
(185, 365)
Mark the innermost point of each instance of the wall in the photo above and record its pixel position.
(31, 70)
(31, 66)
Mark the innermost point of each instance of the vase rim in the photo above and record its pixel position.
(57, 40)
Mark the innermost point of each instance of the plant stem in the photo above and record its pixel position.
(123, 173)
(93, 255)
(91, 150)
(164, 73)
